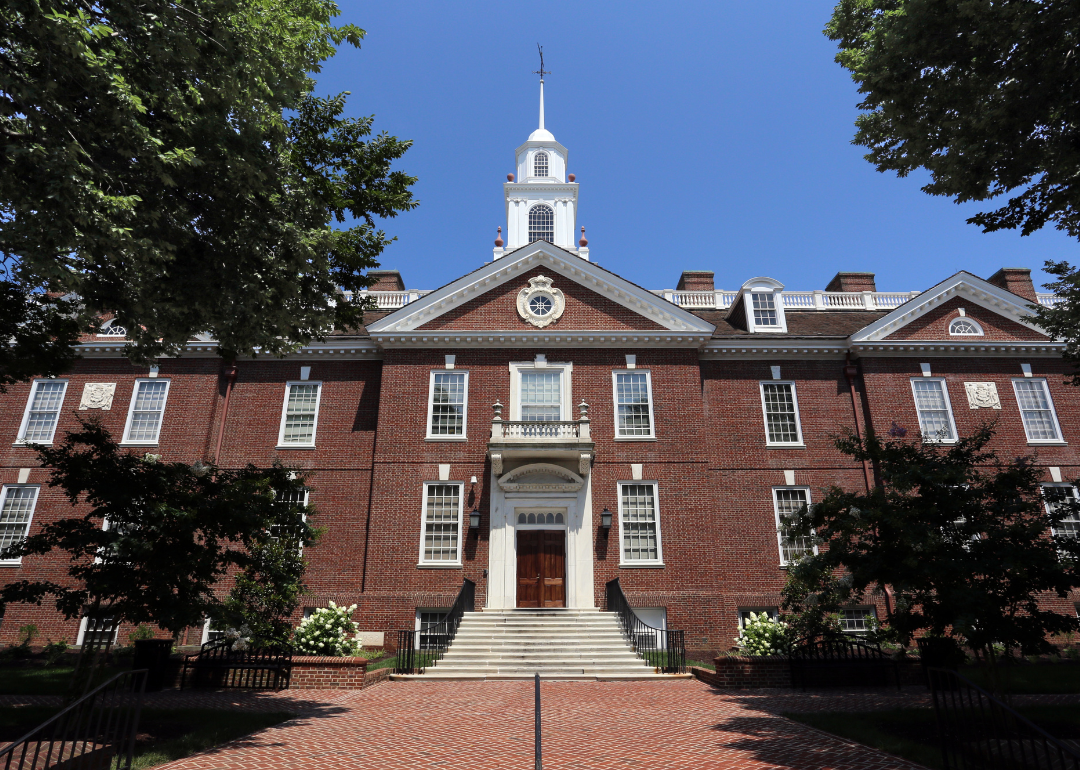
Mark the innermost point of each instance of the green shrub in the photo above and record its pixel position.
(328, 631)
(54, 651)
(762, 635)
(141, 632)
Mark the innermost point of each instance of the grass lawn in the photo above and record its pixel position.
(702, 664)
(387, 662)
(1037, 678)
(165, 735)
(912, 733)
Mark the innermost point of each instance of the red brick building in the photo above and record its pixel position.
(596, 429)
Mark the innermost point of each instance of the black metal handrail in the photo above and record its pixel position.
(978, 731)
(662, 649)
(831, 662)
(418, 649)
(96, 731)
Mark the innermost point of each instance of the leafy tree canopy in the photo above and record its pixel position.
(962, 538)
(169, 162)
(984, 94)
(149, 542)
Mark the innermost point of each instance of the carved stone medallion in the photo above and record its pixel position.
(540, 304)
(97, 395)
(982, 395)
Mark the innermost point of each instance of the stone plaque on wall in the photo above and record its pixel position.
(982, 395)
(97, 395)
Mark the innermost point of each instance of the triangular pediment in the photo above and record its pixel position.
(1002, 315)
(588, 299)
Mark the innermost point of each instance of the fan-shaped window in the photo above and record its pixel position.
(540, 164)
(964, 326)
(541, 224)
(112, 329)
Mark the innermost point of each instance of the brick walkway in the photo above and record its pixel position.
(480, 725)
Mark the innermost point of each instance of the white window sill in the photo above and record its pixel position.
(635, 438)
(1048, 443)
(643, 565)
(784, 446)
(446, 438)
(10, 564)
(138, 443)
(295, 446)
(28, 443)
(447, 565)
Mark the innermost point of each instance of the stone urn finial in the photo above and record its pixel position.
(499, 239)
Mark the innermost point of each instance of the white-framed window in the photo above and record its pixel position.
(1056, 496)
(17, 503)
(1037, 410)
(633, 404)
(763, 303)
(42, 411)
(440, 540)
(426, 619)
(786, 501)
(639, 524)
(146, 411)
(541, 223)
(540, 393)
(540, 164)
(857, 620)
(294, 497)
(95, 629)
(212, 630)
(772, 613)
(965, 327)
(448, 401)
(780, 407)
(934, 409)
(112, 328)
(300, 414)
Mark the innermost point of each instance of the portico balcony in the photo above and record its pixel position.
(541, 439)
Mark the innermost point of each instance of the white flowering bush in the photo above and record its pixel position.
(328, 631)
(762, 635)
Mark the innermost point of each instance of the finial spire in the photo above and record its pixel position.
(541, 72)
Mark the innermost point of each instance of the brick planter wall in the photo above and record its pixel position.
(774, 671)
(321, 672)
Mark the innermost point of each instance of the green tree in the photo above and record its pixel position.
(170, 162)
(962, 539)
(150, 542)
(983, 94)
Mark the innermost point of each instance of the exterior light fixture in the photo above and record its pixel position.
(605, 519)
(474, 520)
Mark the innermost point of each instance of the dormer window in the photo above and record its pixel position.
(764, 309)
(762, 303)
(965, 327)
(541, 224)
(540, 164)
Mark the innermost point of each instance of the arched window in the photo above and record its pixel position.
(965, 327)
(112, 329)
(541, 224)
(540, 164)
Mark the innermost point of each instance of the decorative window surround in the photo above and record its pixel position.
(518, 368)
(441, 524)
(783, 427)
(17, 504)
(631, 422)
(764, 305)
(1037, 411)
(787, 500)
(639, 524)
(447, 418)
(42, 412)
(303, 413)
(934, 408)
(965, 327)
(146, 412)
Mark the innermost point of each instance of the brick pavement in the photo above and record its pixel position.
(595, 725)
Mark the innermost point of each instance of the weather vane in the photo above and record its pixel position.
(541, 72)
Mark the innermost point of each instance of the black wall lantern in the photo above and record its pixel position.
(605, 519)
(474, 520)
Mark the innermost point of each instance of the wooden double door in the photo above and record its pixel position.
(541, 560)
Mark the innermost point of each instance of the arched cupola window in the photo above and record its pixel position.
(541, 224)
(540, 164)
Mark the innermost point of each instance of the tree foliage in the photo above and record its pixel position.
(169, 162)
(983, 94)
(960, 537)
(150, 542)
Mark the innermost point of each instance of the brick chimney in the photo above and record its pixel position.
(852, 282)
(386, 280)
(1017, 280)
(696, 280)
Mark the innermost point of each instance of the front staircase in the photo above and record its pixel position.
(555, 643)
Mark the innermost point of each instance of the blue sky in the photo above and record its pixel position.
(704, 135)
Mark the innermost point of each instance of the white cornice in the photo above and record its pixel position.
(541, 338)
(962, 285)
(355, 350)
(953, 349)
(735, 349)
(524, 259)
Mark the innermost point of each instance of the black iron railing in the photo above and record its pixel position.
(419, 649)
(841, 663)
(660, 648)
(979, 732)
(218, 665)
(97, 731)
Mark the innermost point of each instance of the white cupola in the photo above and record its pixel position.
(541, 203)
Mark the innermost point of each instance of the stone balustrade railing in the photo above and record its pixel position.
(541, 430)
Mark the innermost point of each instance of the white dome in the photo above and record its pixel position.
(541, 135)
